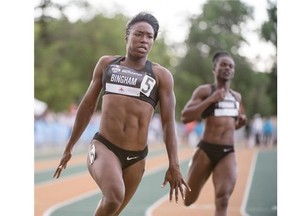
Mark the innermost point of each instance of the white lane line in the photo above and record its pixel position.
(53, 208)
(50, 210)
(150, 210)
(248, 185)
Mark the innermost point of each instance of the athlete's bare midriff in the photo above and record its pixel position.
(126, 121)
(219, 130)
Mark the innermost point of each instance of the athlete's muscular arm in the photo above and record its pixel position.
(241, 119)
(167, 110)
(200, 100)
(84, 112)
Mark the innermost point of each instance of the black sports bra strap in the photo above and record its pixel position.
(117, 59)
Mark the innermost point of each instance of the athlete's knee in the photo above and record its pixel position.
(111, 206)
(222, 201)
(189, 199)
(188, 202)
(112, 202)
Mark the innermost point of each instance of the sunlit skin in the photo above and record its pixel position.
(125, 122)
(218, 130)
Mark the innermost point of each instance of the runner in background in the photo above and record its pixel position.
(222, 110)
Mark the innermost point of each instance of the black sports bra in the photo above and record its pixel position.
(141, 84)
(229, 106)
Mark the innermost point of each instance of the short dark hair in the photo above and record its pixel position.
(144, 17)
(218, 55)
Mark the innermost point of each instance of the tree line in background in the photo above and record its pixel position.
(66, 53)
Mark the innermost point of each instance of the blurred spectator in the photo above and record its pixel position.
(155, 134)
(257, 127)
(196, 133)
(199, 129)
(267, 131)
(274, 131)
(53, 129)
(40, 108)
(192, 132)
(248, 134)
(188, 129)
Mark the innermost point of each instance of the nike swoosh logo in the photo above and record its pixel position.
(226, 150)
(131, 158)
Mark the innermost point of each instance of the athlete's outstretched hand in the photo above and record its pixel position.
(175, 179)
(63, 163)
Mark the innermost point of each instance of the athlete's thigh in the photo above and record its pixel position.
(132, 177)
(225, 174)
(106, 169)
(199, 171)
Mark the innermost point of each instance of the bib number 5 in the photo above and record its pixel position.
(147, 85)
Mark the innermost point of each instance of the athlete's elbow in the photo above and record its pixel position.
(189, 117)
(183, 120)
(184, 117)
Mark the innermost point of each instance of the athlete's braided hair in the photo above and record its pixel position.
(143, 17)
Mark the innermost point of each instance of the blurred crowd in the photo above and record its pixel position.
(258, 132)
(53, 129)
(261, 131)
